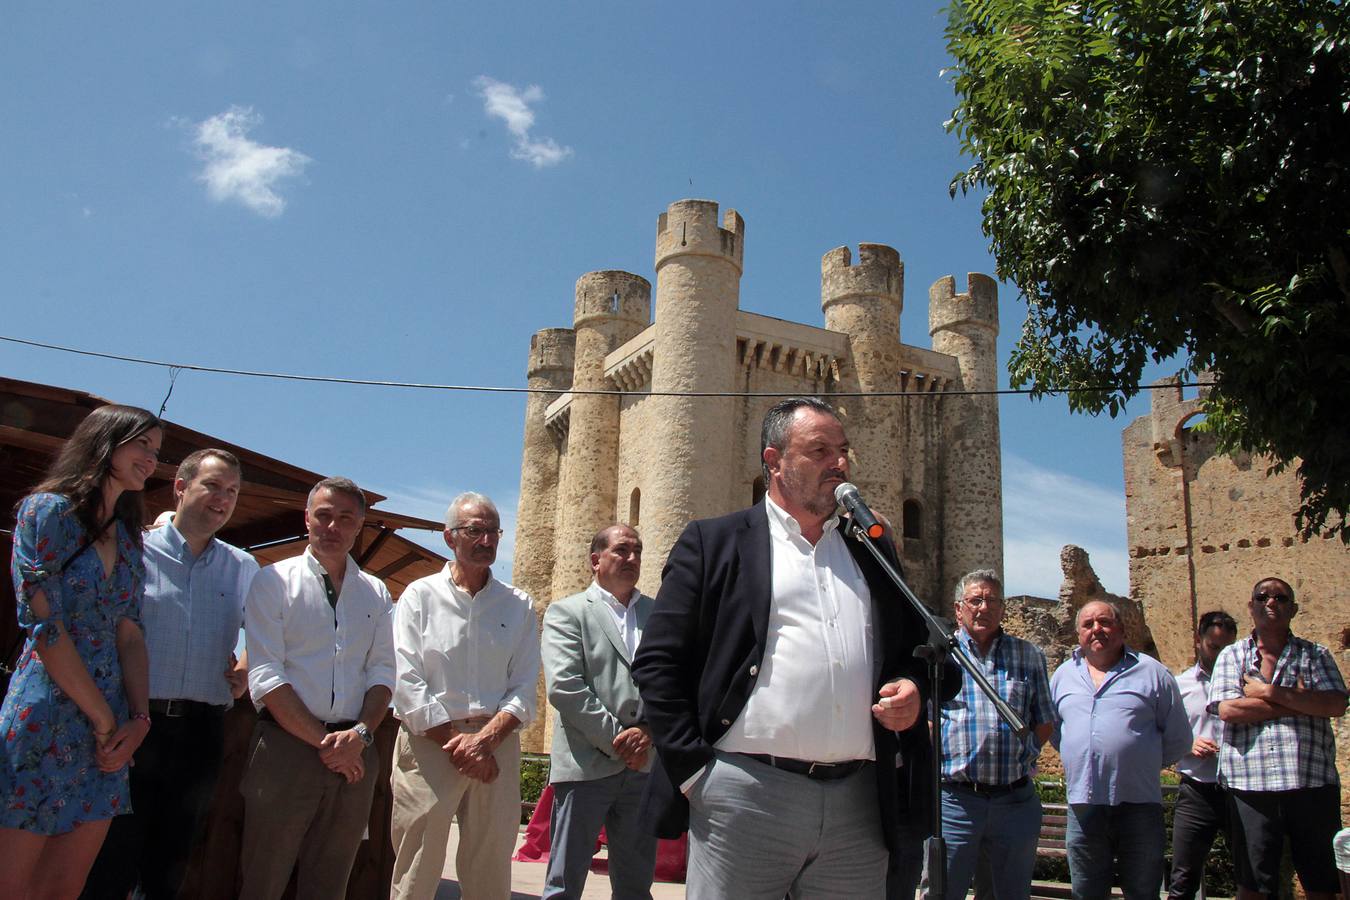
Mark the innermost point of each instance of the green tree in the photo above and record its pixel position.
(1168, 179)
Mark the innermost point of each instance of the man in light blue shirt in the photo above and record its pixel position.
(1119, 718)
(193, 609)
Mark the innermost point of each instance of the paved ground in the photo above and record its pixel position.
(527, 880)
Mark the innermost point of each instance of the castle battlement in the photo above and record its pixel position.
(691, 228)
(879, 273)
(977, 306)
(612, 295)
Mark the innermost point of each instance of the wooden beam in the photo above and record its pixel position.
(406, 559)
(375, 546)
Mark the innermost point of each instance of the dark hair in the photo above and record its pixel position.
(192, 463)
(338, 485)
(600, 543)
(1219, 618)
(778, 421)
(1256, 588)
(85, 462)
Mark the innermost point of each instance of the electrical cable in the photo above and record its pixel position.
(489, 389)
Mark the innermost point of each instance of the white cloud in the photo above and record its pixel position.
(512, 105)
(1042, 511)
(237, 168)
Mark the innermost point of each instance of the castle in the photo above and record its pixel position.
(670, 449)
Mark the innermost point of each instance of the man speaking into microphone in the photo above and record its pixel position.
(779, 683)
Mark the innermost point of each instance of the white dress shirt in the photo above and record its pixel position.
(330, 656)
(625, 617)
(813, 697)
(461, 656)
(1194, 684)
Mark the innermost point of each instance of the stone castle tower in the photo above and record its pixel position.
(658, 457)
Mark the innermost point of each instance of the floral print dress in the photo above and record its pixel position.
(49, 782)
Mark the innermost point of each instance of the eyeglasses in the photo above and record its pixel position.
(473, 532)
(977, 602)
(1277, 597)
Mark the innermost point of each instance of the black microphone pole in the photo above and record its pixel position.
(940, 646)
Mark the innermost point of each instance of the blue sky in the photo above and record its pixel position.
(408, 191)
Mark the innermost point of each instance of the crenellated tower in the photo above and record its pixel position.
(864, 301)
(965, 326)
(698, 286)
(550, 373)
(550, 369)
(611, 307)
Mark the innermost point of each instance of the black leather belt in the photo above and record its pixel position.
(265, 715)
(986, 790)
(177, 709)
(815, 770)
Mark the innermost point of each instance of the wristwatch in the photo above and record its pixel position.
(364, 734)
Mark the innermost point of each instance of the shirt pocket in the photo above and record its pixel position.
(1016, 691)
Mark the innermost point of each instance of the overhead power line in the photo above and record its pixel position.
(491, 389)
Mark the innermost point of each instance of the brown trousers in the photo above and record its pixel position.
(298, 811)
(428, 794)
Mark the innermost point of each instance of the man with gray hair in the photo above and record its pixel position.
(989, 804)
(468, 657)
(1119, 718)
(321, 668)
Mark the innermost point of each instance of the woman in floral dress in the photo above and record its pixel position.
(76, 709)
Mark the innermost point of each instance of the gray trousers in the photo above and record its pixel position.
(579, 809)
(298, 811)
(759, 832)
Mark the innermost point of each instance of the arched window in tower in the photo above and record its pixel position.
(634, 507)
(757, 490)
(912, 520)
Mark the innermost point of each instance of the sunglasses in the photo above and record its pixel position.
(1277, 597)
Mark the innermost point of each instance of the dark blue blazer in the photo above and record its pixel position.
(703, 646)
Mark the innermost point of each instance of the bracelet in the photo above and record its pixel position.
(144, 717)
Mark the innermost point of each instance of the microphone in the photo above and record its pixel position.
(846, 495)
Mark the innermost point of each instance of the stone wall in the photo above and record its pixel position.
(1204, 527)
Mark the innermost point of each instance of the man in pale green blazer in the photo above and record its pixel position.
(601, 747)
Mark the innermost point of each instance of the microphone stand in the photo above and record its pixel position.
(940, 646)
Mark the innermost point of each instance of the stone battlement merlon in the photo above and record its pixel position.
(878, 273)
(691, 228)
(551, 350)
(612, 294)
(977, 306)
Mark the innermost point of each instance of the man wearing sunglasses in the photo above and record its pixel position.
(1277, 694)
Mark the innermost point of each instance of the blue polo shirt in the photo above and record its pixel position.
(192, 613)
(1116, 738)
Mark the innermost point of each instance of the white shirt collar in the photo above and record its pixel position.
(783, 523)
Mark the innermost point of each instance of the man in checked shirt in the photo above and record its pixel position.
(989, 803)
(1277, 694)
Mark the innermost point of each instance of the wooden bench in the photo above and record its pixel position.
(1054, 824)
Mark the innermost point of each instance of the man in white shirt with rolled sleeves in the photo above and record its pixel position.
(321, 672)
(468, 659)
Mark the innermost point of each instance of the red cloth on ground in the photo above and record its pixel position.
(670, 855)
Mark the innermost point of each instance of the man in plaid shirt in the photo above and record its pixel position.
(989, 803)
(1277, 694)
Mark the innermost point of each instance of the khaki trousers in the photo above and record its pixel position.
(428, 794)
(298, 811)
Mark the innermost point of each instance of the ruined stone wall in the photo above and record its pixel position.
(1204, 527)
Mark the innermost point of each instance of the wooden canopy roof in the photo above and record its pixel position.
(36, 419)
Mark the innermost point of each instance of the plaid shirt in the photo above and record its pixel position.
(976, 744)
(1278, 754)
